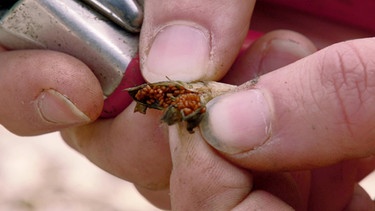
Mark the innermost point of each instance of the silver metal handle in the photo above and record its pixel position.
(126, 13)
(74, 28)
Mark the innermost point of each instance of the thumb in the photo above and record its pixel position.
(314, 112)
(192, 40)
(43, 91)
(202, 180)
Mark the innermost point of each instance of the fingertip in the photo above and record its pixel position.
(238, 122)
(323, 111)
(360, 200)
(46, 91)
(179, 51)
(191, 40)
(271, 51)
(283, 47)
(56, 108)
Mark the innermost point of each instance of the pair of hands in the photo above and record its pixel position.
(301, 138)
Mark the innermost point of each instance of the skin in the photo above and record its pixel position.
(139, 149)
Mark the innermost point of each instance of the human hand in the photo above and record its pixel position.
(322, 153)
(318, 162)
(45, 91)
(311, 120)
(117, 147)
(315, 114)
(39, 92)
(135, 147)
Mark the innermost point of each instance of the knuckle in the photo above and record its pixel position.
(348, 70)
(348, 76)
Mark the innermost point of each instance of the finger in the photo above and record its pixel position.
(338, 179)
(314, 112)
(270, 52)
(287, 187)
(159, 198)
(43, 91)
(329, 182)
(262, 200)
(360, 200)
(131, 146)
(192, 40)
(201, 179)
(364, 167)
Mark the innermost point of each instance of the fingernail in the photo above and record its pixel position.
(178, 52)
(281, 52)
(55, 108)
(237, 122)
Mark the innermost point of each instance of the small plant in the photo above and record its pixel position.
(180, 101)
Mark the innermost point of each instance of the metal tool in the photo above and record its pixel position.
(101, 33)
(125, 13)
